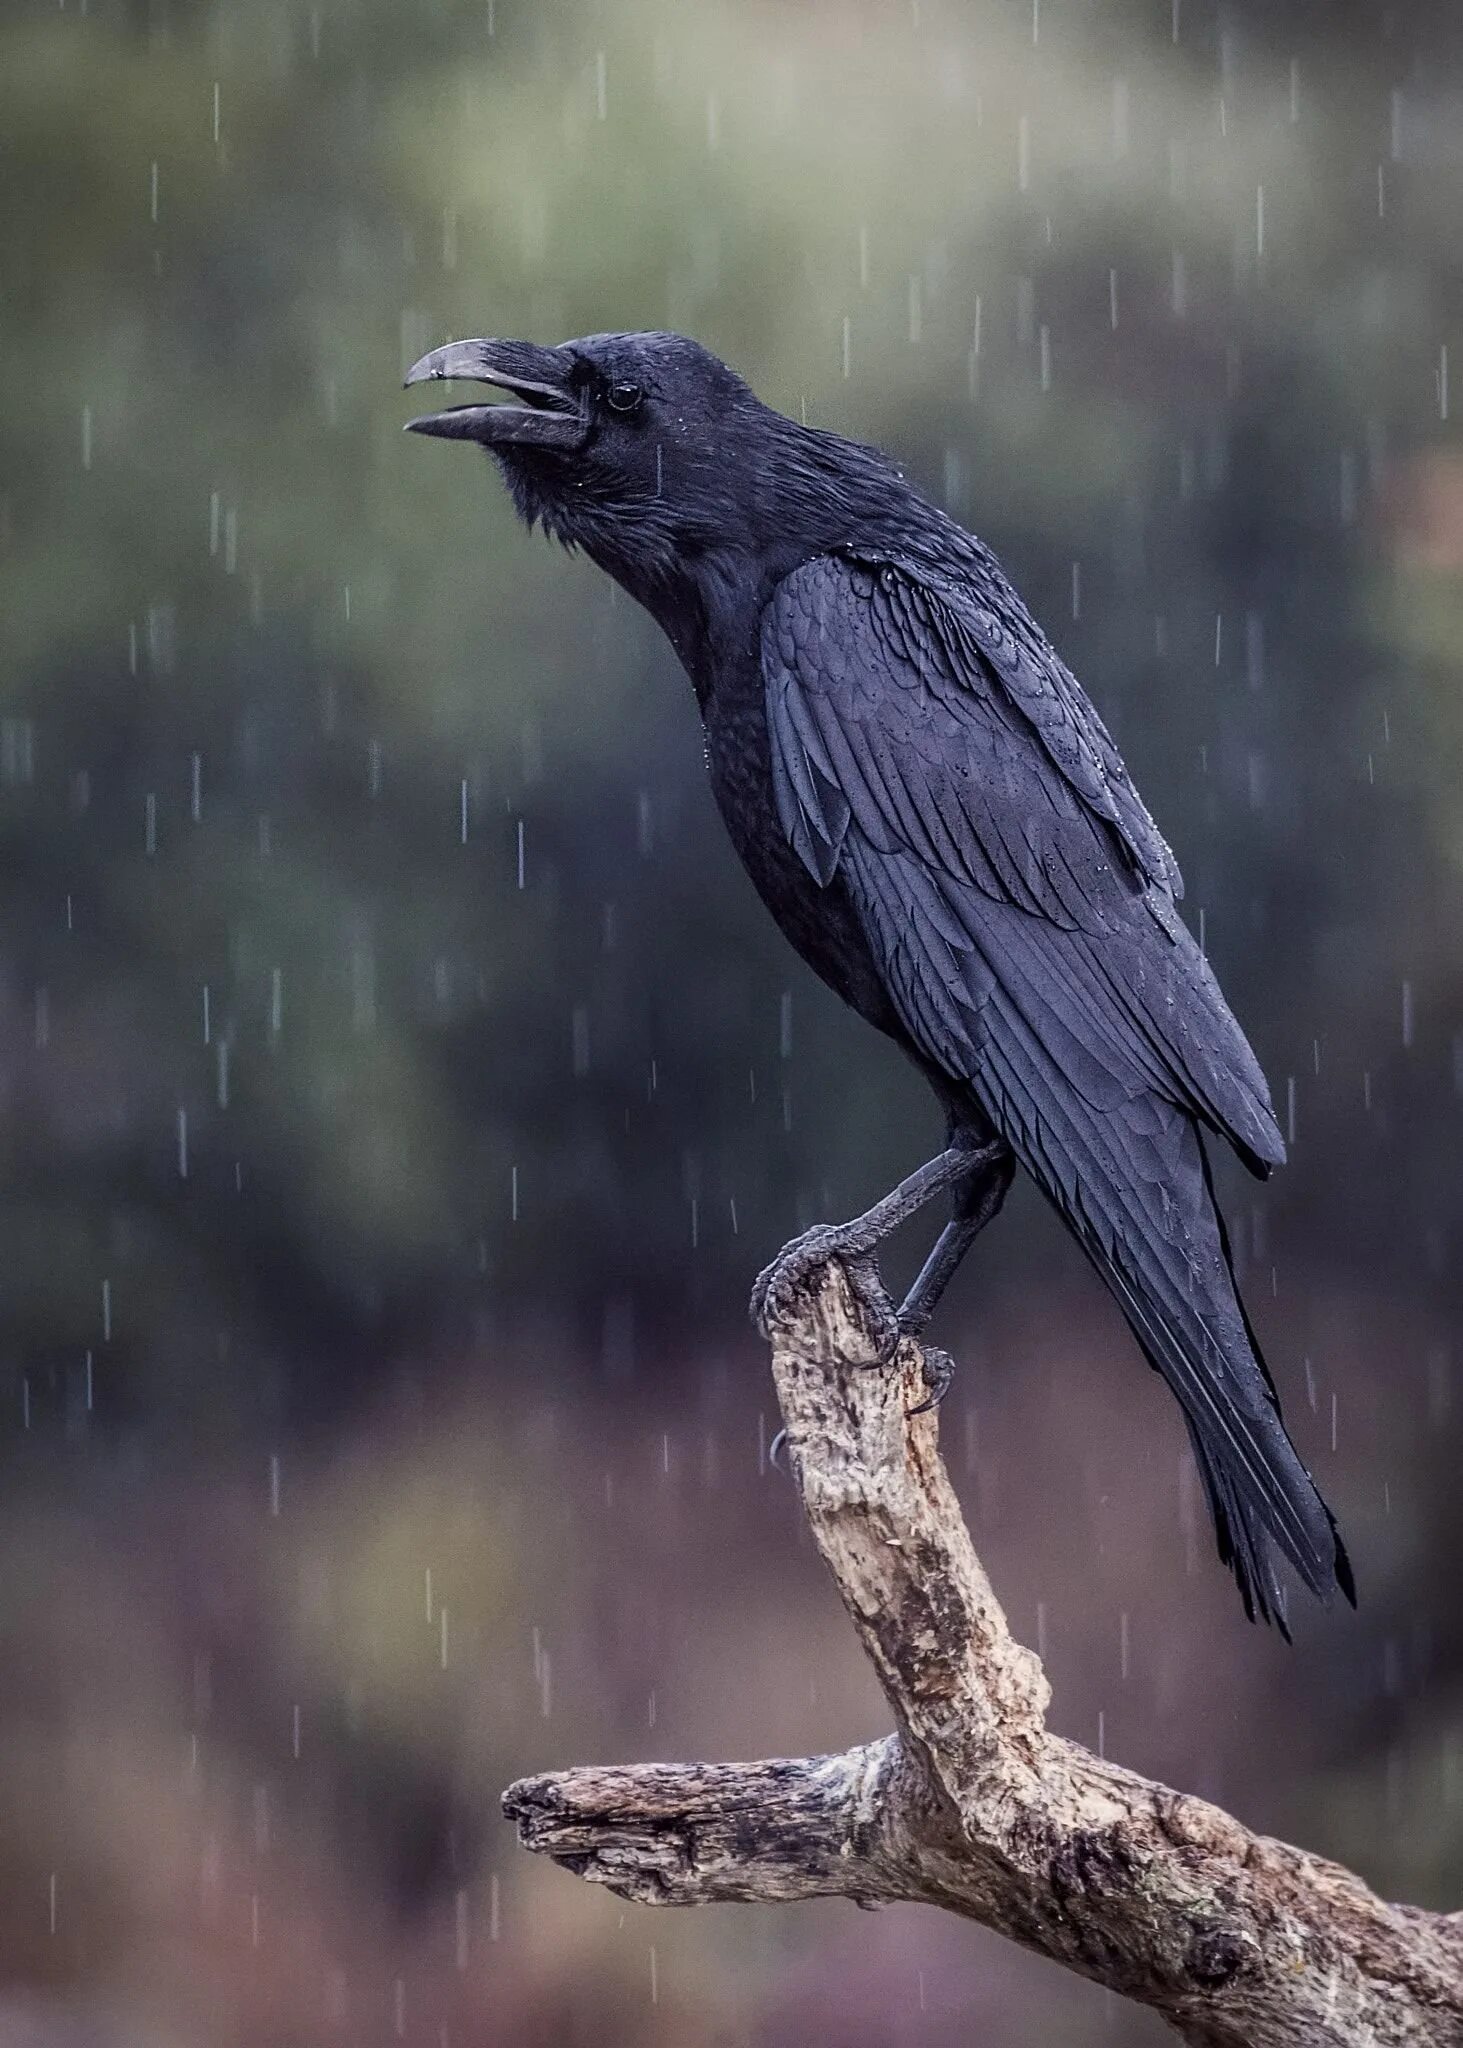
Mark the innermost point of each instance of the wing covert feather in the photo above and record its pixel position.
(988, 831)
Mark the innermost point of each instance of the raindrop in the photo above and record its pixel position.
(1254, 650)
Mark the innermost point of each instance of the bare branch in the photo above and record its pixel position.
(1239, 1941)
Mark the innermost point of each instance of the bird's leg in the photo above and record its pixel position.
(853, 1244)
(977, 1198)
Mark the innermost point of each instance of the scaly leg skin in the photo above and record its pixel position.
(977, 1198)
(855, 1243)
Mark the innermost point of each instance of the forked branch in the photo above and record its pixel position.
(974, 1805)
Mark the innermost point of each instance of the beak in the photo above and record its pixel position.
(550, 416)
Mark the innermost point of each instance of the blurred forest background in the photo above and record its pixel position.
(401, 1084)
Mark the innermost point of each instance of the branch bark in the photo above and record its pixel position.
(974, 1805)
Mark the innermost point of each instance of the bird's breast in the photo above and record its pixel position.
(820, 923)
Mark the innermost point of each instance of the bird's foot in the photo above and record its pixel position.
(777, 1286)
(939, 1372)
(938, 1365)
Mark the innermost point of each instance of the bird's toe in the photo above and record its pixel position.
(879, 1311)
(939, 1374)
(775, 1289)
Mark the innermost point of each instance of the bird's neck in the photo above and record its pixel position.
(708, 603)
(706, 572)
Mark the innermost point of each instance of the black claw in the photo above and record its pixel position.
(939, 1372)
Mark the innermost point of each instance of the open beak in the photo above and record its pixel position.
(550, 415)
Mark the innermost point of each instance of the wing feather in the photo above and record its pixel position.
(905, 711)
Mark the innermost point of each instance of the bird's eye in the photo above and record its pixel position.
(624, 398)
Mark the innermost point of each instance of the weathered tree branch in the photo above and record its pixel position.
(1239, 1941)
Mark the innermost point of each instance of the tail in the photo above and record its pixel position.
(1151, 1226)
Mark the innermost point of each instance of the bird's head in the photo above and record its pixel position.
(650, 454)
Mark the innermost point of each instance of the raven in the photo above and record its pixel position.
(938, 820)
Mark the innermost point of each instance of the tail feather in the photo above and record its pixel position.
(1241, 1536)
(1134, 1187)
(1259, 1492)
(1242, 1546)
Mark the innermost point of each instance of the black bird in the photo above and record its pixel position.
(938, 820)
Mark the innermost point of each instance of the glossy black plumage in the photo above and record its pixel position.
(934, 813)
